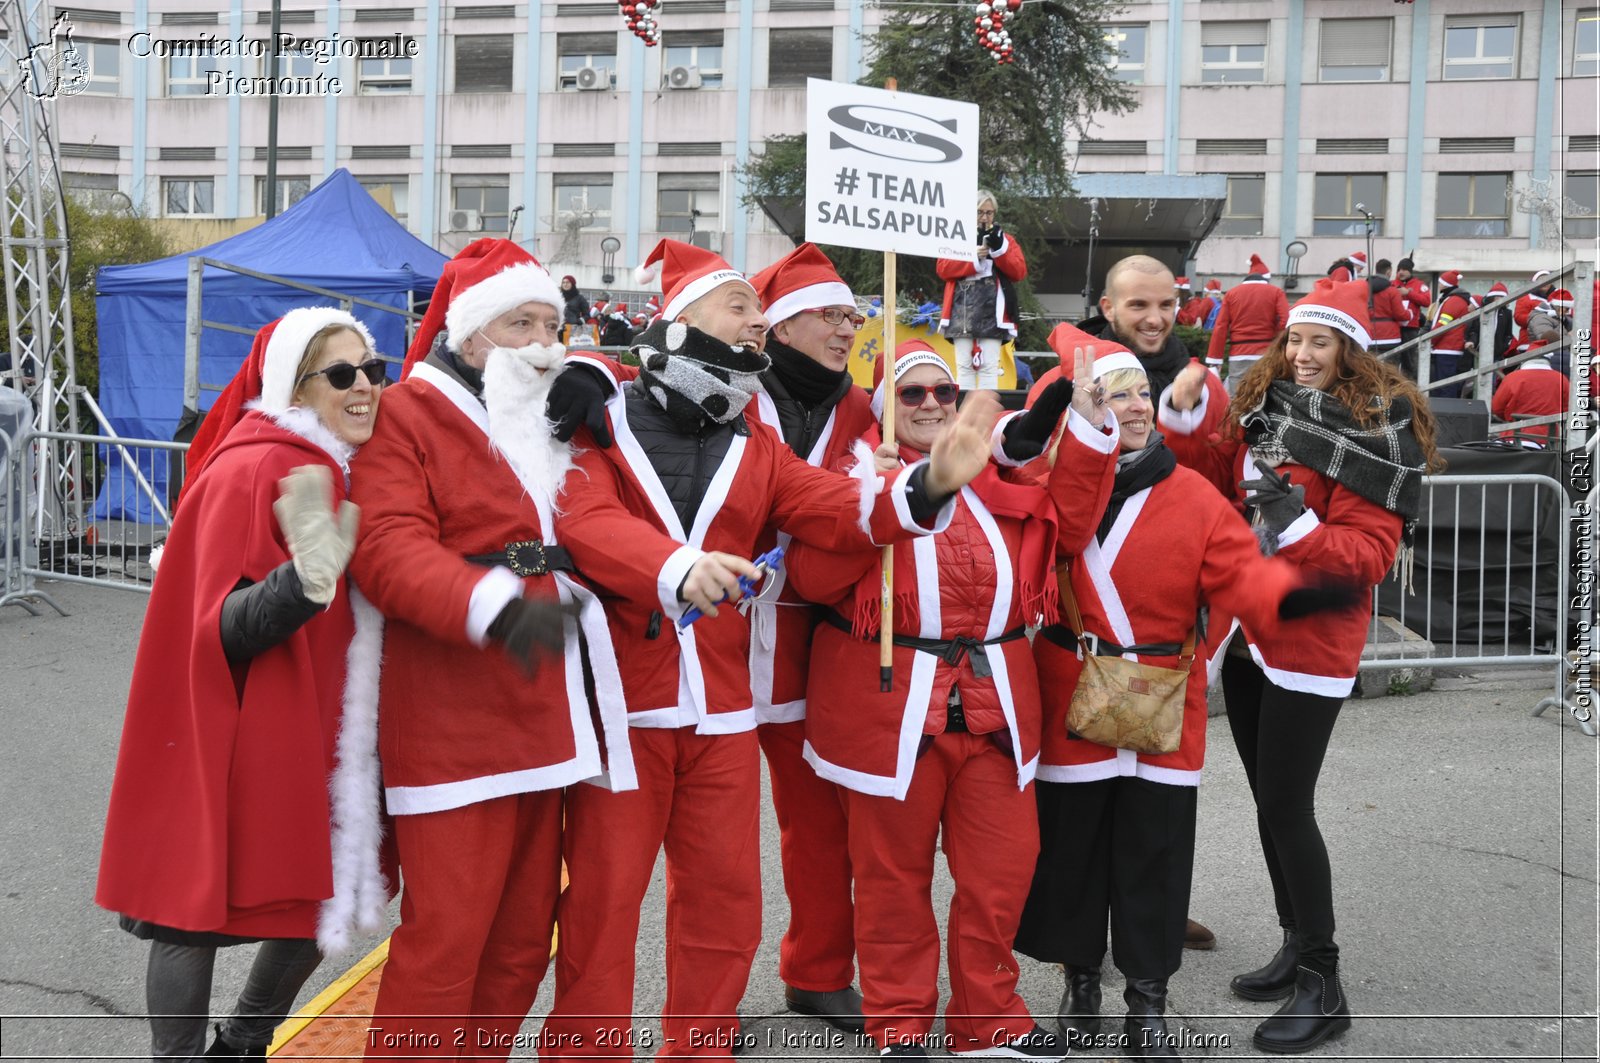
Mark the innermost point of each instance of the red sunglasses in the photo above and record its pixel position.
(912, 395)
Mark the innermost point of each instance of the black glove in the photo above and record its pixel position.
(1324, 596)
(578, 397)
(994, 238)
(1275, 499)
(529, 630)
(1026, 435)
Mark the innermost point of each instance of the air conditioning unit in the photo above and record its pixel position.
(465, 221)
(683, 77)
(594, 78)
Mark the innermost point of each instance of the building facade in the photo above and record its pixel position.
(1280, 121)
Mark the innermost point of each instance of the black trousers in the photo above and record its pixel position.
(1282, 737)
(1120, 847)
(1407, 363)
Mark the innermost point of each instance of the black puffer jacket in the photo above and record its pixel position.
(684, 463)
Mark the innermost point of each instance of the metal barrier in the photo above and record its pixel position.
(104, 553)
(17, 587)
(1483, 592)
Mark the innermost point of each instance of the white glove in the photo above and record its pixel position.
(320, 546)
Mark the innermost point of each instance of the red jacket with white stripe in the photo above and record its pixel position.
(1388, 315)
(1415, 295)
(1008, 260)
(622, 530)
(1455, 304)
(459, 721)
(971, 581)
(1144, 585)
(1341, 536)
(780, 628)
(1252, 315)
(1534, 389)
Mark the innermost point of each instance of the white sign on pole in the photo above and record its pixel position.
(890, 171)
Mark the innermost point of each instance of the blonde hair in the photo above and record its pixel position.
(1118, 379)
(986, 196)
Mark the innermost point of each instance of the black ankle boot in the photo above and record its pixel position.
(1145, 1029)
(1274, 981)
(1317, 1011)
(221, 1049)
(1079, 1017)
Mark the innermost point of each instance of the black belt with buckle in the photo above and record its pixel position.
(1100, 647)
(528, 557)
(950, 651)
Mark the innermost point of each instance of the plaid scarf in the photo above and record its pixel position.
(1380, 461)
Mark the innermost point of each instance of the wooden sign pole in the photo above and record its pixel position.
(886, 598)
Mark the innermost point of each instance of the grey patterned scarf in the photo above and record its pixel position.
(697, 378)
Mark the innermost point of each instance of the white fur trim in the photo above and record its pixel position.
(1116, 360)
(360, 892)
(515, 386)
(288, 344)
(673, 572)
(156, 553)
(902, 505)
(480, 304)
(1183, 422)
(297, 420)
(997, 441)
(701, 285)
(494, 589)
(869, 484)
(811, 297)
(1096, 439)
(1332, 317)
(646, 275)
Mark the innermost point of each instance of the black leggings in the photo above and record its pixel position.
(1282, 736)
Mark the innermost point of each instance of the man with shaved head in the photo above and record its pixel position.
(1137, 310)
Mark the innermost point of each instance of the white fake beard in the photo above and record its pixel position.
(516, 382)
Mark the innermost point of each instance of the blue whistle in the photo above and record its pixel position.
(766, 564)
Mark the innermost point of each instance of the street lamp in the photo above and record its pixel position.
(1362, 209)
(1294, 252)
(609, 248)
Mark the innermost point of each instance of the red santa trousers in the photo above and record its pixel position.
(476, 918)
(818, 950)
(699, 797)
(967, 786)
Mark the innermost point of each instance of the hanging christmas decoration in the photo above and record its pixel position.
(992, 18)
(640, 15)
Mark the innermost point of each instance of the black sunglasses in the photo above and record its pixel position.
(912, 394)
(342, 375)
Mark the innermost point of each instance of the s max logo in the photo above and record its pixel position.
(892, 134)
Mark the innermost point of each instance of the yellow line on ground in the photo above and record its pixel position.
(328, 997)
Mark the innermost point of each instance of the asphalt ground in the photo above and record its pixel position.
(1462, 834)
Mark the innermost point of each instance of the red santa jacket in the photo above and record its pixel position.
(1533, 389)
(223, 804)
(625, 535)
(982, 579)
(439, 483)
(1195, 311)
(781, 622)
(1415, 295)
(1454, 305)
(1388, 314)
(1008, 261)
(1145, 585)
(1341, 536)
(1252, 315)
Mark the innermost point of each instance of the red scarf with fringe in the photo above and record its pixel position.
(1027, 503)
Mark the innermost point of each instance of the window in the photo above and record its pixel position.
(584, 194)
(96, 190)
(1336, 199)
(483, 63)
(1356, 49)
(579, 50)
(291, 190)
(697, 50)
(385, 74)
(488, 194)
(1586, 44)
(105, 66)
(1583, 191)
(187, 196)
(794, 55)
(1481, 47)
(1471, 204)
(395, 191)
(292, 62)
(1126, 45)
(189, 75)
(1242, 213)
(1233, 52)
(689, 203)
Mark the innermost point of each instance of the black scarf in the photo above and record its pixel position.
(1136, 471)
(804, 379)
(695, 377)
(1381, 461)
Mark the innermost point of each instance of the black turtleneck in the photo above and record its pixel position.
(804, 391)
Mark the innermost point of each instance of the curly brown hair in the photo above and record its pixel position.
(1358, 379)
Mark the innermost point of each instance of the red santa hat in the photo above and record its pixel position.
(1450, 278)
(1359, 260)
(1497, 290)
(267, 377)
(804, 279)
(1258, 268)
(1561, 299)
(1214, 285)
(640, 320)
(652, 306)
(687, 272)
(619, 310)
(1109, 355)
(907, 356)
(1340, 305)
(1182, 284)
(1539, 275)
(487, 278)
